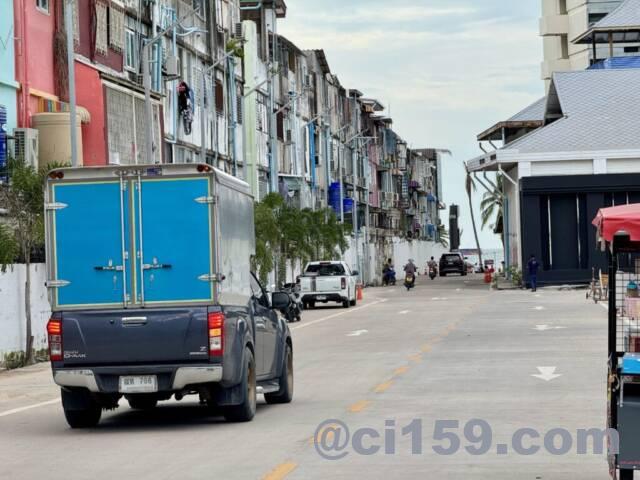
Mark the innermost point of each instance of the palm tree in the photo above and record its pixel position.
(491, 207)
(470, 186)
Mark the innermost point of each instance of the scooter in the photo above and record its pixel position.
(389, 277)
(433, 273)
(409, 281)
(294, 312)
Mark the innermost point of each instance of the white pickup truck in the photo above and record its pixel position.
(324, 282)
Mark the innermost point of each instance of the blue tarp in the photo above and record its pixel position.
(614, 63)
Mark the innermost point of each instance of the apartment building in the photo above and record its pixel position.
(563, 21)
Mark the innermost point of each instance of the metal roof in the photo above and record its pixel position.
(599, 111)
(529, 118)
(623, 24)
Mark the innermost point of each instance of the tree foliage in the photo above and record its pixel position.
(286, 235)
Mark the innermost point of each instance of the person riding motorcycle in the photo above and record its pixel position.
(388, 273)
(410, 270)
(432, 268)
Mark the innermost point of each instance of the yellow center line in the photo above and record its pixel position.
(383, 387)
(426, 348)
(359, 406)
(281, 471)
(401, 371)
(328, 436)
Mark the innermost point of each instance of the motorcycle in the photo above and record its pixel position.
(433, 273)
(410, 281)
(389, 277)
(294, 312)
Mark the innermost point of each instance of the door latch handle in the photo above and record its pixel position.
(155, 266)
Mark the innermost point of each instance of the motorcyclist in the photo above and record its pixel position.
(432, 264)
(388, 272)
(410, 270)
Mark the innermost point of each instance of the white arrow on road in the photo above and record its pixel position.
(547, 373)
(543, 328)
(357, 333)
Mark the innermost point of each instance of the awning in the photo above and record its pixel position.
(624, 219)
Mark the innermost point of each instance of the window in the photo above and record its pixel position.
(219, 97)
(631, 49)
(562, 7)
(102, 36)
(564, 46)
(131, 50)
(596, 17)
(43, 5)
(116, 28)
(198, 7)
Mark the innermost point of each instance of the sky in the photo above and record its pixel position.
(446, 70)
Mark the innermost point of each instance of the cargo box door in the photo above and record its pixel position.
(174, 240)
(89, 224)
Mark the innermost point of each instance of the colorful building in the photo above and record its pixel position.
(8, 84)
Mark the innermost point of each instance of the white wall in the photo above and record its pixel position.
(418, 250)
(12, 312)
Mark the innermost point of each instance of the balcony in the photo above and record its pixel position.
(554, 25)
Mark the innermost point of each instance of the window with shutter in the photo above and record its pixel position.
(102, 37)
(116, 28)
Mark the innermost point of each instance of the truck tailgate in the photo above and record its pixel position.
(321, 284)
(135, 336)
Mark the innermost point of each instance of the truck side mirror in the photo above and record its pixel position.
(355, 273)
(280, 300)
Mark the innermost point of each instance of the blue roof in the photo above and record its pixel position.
(616, 63)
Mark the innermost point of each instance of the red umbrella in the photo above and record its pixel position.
(612, 220)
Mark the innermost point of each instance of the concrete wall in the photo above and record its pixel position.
(12, 316)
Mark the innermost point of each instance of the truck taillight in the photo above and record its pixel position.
(343, 283)
(54, 333)
(216, 333)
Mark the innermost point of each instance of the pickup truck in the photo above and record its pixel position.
(324, 282)
(148, 273)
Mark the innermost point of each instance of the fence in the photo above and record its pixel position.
(12, 308)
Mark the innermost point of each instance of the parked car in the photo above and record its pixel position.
(152, 295)
(324, 282)
(452, 263)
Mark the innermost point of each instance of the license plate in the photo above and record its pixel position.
(321, 297)
(138, 384)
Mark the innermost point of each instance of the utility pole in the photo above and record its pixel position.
(68, 20)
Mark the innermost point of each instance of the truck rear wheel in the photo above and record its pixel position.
(245, 411)
(80, 410)
(626, 474)
(285, 394)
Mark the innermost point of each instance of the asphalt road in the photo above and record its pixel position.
(448, 350)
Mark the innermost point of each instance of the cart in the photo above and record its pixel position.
(619, 235)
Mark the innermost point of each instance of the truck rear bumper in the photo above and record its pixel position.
(323, 297)
(105, 379)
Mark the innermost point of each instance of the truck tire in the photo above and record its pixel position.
(354, 302)
(346, 303)
(80, 410)
(626, 474)
(245, 411)
(285, 394)
(142, 402)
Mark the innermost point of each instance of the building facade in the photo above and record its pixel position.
(561, 22)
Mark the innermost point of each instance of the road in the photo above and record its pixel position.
(448, 350)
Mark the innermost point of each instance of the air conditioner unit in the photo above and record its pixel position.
(237, 31)
(26, 145)
(172, 66)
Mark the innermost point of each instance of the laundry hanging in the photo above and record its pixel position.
(185, 106)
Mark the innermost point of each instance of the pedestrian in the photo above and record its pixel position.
(532, 267)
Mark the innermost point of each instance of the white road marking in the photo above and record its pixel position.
(357, 333)
(547, 373)
(604, 305)
(439, 298)
(324, 319)
(543, 328)
(28, 407)
(539, 308)
(404, 312)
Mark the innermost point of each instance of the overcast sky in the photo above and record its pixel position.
(446, 69)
